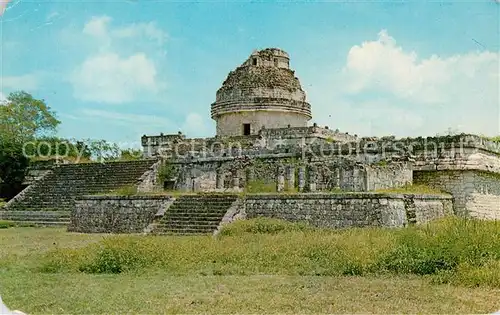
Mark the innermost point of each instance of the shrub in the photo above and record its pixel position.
(413, 256)
(6, 224)
(452, 250)
(125, 191)
(260, 186)
(166, 172)
(444, 245)
(115, 257)
(263, 225)
(63, 259)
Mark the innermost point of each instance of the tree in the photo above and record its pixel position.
(13, 166)
(101, 150)
(24, 118)
(51, 147)
(130, 154)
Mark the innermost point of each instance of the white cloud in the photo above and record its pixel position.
(111, 75)
(406, 95)
(113, 79)
(26, 82)
(383, 65)
(148, 30)
(124, 118)
(195, 125)
(52, 15)
(99, 27)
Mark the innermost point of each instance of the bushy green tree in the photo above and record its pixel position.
(131, 154)
(22, 119)
(13, 166)
(102, 151)
(55, 146)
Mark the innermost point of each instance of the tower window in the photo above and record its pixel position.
(275, 62)
(254, 61)
(246, 129)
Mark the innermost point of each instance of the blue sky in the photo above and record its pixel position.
(120, 69)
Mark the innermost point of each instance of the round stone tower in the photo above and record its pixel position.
(261, 93)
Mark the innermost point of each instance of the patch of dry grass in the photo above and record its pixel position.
(413, 189)
(262, 266)
(160, 293)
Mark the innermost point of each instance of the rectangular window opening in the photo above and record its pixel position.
(246, 129)
(254, 61)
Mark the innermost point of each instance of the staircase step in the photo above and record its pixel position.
(185, 231)
(203, 227)
(190, 220)
(58, 189)
(40, 223)
(191, 215)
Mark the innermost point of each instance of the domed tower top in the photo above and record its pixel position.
(270, 57)
(261, 93)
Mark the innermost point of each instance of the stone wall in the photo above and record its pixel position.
(116, 214)
(182, 148)
(476, 194)
(135, 214)
(464, 159)
(388, 176)
(320, 174)
(149, 180)
(314, 131)
(232, 123)
(349, 210)
(243, 94)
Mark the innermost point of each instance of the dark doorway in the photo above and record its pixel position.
(169, 185)
(254, 61)
(246, 129)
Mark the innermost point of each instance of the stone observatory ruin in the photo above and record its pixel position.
(261, 93)
(267, 159)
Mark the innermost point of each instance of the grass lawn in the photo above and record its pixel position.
(234, 274)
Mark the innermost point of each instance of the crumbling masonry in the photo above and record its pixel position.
(264, 143)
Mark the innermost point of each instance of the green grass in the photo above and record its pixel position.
(161, 293)
(256, 266)
(494, 139)
(130, 190)
(450, 251)
(413, 189)
(6, 224)
(260, 186)
(263, 226)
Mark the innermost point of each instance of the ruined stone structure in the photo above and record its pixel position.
(51, 198)
(262, 93)
(265, 145)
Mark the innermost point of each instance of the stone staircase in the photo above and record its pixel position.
(37, 218)
(57, 190)
(194, 214)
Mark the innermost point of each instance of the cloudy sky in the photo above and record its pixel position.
(121, 69)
